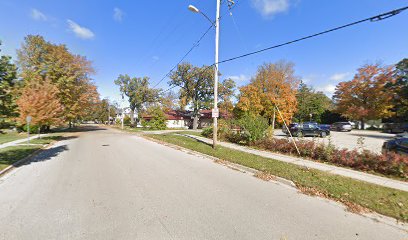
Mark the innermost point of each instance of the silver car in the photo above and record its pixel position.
(341, 126)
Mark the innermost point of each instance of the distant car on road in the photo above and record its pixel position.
(307, 129)
(341, 126)
(398, 145)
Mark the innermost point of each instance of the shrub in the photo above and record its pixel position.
(224, 130)
(158, 121)
(391, 164)
(207, 132)
(33, 128)
(126, 120)
(253, 127)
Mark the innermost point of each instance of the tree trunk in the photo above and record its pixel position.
(70, 124)
(362, 125)
(195, 122)
(273, 119)
(132, 118)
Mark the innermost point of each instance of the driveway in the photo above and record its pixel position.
(110, 185)
(372, 140)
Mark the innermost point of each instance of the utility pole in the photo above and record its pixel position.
(215, 112)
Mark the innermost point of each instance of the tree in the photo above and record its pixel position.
(44, 61)
(226, 90)
(365, 97)
(138, 92)
(8, 76)
(196, 87)
(275, 85)
(311, 102)
(39, 99)
(399, 89)
(158, 120)
(168, 100)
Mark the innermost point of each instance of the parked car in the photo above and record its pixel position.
(292, 127)
(395, 127)
(341, 126)
(325, 126)
(308, 129)
(398, 145)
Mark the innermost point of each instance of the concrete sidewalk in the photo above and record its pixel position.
(24, 140)
(362, 176)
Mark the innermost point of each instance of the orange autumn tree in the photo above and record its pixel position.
(366, 97)
(39, 99)
(275, 85)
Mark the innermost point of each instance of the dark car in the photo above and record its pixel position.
(341, 126)
(308, 129)
(395, 127)
(399, 145)
(325, 126)
(292, 127)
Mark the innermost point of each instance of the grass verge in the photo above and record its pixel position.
(11, 155)
(11, 136)
(386, 201)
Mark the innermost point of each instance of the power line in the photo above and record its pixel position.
(371, 19)
(192, 48)
(185, 55)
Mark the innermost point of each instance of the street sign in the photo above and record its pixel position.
(28, 119)
(215, 113)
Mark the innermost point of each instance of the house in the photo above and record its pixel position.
(175, 119)
(184, 119)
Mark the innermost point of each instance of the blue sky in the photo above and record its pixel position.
(147, 38)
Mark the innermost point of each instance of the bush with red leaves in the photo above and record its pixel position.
(391, 164)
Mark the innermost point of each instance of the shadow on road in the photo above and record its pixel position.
(44, 155)
(83, 128)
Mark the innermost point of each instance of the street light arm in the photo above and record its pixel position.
(212, 23)
(196, 10)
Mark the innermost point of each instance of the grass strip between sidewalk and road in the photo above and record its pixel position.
(11, 136)
(353, 193)
(11, 155)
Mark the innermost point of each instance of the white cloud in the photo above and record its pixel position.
(37, 15)
(328, 89)
(80, 31)
(338, 77)
(118, 14)
(239, 78)
(269, 8)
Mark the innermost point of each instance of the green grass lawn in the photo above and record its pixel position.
(387, 201)
(13, 154)
(11, 136)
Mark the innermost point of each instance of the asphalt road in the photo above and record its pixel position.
(110, 185)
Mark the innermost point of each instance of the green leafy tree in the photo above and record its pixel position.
(399, 89)
(8, 76)
(158, 120)
(226, 90)
(196, 87)
(311, 104)
(138, 92)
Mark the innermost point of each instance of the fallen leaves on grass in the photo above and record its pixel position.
(264, 176)
(351, 207)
